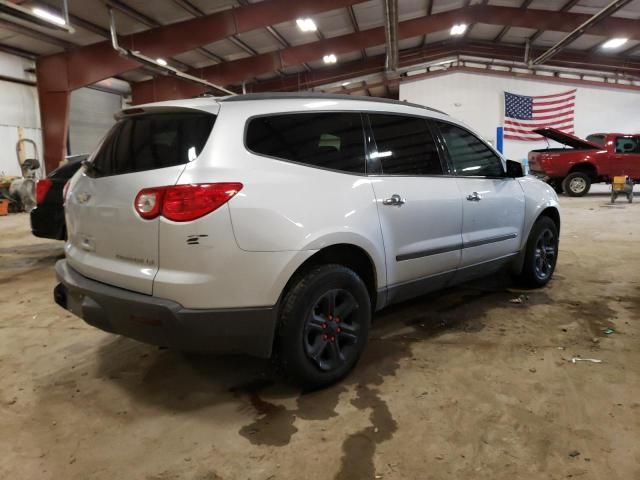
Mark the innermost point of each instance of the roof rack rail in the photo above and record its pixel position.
(312, 95)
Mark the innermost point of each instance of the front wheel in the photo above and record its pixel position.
(323, 326)
(541, 253)
(576, 184)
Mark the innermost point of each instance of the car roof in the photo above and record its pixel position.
(320, 96)
(289, 100)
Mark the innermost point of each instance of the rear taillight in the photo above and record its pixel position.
(42, 188)
(183, 203)
(148, 202)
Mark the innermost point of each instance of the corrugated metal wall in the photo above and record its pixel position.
(91, 116)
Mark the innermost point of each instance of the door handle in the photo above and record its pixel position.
(394, 200)
(474, 197)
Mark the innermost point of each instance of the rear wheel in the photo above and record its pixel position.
(541, 253)
(323, 327)
(576, 184)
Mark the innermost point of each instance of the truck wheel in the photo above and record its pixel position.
(323, 326)
(576, 184)
(541, 253)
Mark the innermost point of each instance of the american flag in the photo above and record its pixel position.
(522, 114)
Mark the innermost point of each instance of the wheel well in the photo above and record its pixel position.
(553, 214)
(350, 256)
(587, 168)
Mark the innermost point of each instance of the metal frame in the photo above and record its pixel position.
(151, 63)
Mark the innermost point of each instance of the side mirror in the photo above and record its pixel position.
(514, 169)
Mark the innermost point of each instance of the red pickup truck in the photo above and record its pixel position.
(597, 159)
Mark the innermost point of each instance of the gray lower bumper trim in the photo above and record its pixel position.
(163, 322)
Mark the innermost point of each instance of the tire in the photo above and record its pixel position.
(576, 184)
(557, 186)
(541, 253)
(306, 355)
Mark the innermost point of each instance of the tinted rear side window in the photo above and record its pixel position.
(151, 141)
(405, 145)
(326, 140)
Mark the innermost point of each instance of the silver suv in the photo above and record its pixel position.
(277, 224)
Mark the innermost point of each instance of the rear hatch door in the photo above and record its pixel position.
(108, 240)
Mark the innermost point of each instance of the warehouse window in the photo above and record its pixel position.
(405, 145)
(325, 140)
(150, 141)
(469, 155)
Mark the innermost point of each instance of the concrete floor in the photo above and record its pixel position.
(462, 384)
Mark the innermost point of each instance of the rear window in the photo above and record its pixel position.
(151, 141)
(627, 145)
(597, 139)
(325, 140)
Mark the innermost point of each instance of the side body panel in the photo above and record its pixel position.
(538, 197)
(288, 207)
(558, 163)
(492, 226)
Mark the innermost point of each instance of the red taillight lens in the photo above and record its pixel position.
(42, 188)
(148, 202)
(183, 203)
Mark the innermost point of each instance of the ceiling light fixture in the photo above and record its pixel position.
(48, 16)
(161, 61)
(331, 58)
(614, 43)
(344, 84)
(458, 29)
(306, 24)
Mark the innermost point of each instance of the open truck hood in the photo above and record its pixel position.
(567, 139)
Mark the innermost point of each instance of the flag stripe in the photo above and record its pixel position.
(523, 114)
(529, 128)
(556, 94)
(554, 102)
(527, 131)
(553, 109)
(542, 121)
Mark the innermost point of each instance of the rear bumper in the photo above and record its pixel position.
(163, 322)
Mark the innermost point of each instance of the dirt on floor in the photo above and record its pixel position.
(463, 384)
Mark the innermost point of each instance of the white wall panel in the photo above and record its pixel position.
(478, 101)
(90, 117)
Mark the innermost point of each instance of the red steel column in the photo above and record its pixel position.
(53, 96)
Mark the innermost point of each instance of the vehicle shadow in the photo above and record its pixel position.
(181, 382)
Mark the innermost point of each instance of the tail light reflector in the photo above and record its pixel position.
(42, 188)
(148, 202)
(183, 203)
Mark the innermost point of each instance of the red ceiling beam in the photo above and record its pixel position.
(61, 73)
(92, 63)
(372, 65)
(237, 71)
(497, 73)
